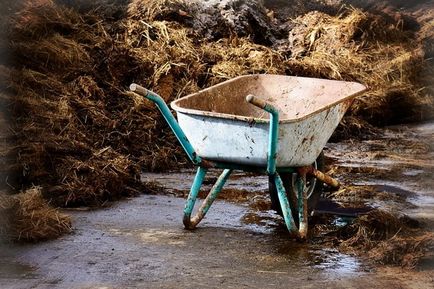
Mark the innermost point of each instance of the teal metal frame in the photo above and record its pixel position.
(203, 166)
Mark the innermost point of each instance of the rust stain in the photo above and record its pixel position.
(319, 175)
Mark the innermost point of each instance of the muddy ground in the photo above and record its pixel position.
(140, 242)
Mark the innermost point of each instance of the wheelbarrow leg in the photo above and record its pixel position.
(273, 139)
(191, 223)
(284, 204)
(302, 206)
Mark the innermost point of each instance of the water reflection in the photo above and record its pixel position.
(335, 263)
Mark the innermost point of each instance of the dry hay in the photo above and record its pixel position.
(54, 144)
(74, 126)
(6, 203)
(238, 56)
(31, 218)
(367, 48)
(387, 238)
(154, 10)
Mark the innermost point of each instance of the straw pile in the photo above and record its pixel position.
(28, 217)
(83, 140)
(74, 127)
(370, 49)
(387, 239)
(5, 220)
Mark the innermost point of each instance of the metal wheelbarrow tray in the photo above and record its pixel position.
(222, 126)
(263, 123)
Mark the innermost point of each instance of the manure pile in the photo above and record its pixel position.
(77, 135)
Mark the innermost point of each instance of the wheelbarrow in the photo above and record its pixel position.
(272, 124)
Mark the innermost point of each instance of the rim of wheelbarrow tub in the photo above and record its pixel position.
(359, 89)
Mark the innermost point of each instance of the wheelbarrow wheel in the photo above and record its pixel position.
(314, 189)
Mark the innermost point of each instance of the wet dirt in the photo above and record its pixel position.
(140, 242)
(397, 168)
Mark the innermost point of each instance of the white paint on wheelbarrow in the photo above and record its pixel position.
(219, 122)
(236, 141)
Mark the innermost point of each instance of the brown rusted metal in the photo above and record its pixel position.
(326, 179)
(303, 171)
(207, 164)
(187, 223)
(320, 176)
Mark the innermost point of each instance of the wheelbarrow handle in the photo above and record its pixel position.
(256, 101)
(274, 130)
(170, 119)
(139, 89)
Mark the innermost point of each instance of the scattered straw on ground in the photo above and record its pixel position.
(387, 238)
(31, 218)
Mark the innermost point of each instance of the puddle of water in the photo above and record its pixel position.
(265, 227)
(420, 197)
(420, 129)
(394, 190)
(326, 261)
(413, 173)
(264, 222)
(331, 207)
(342, 221)
(334, 263)
(424, 210)
(424, 200)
